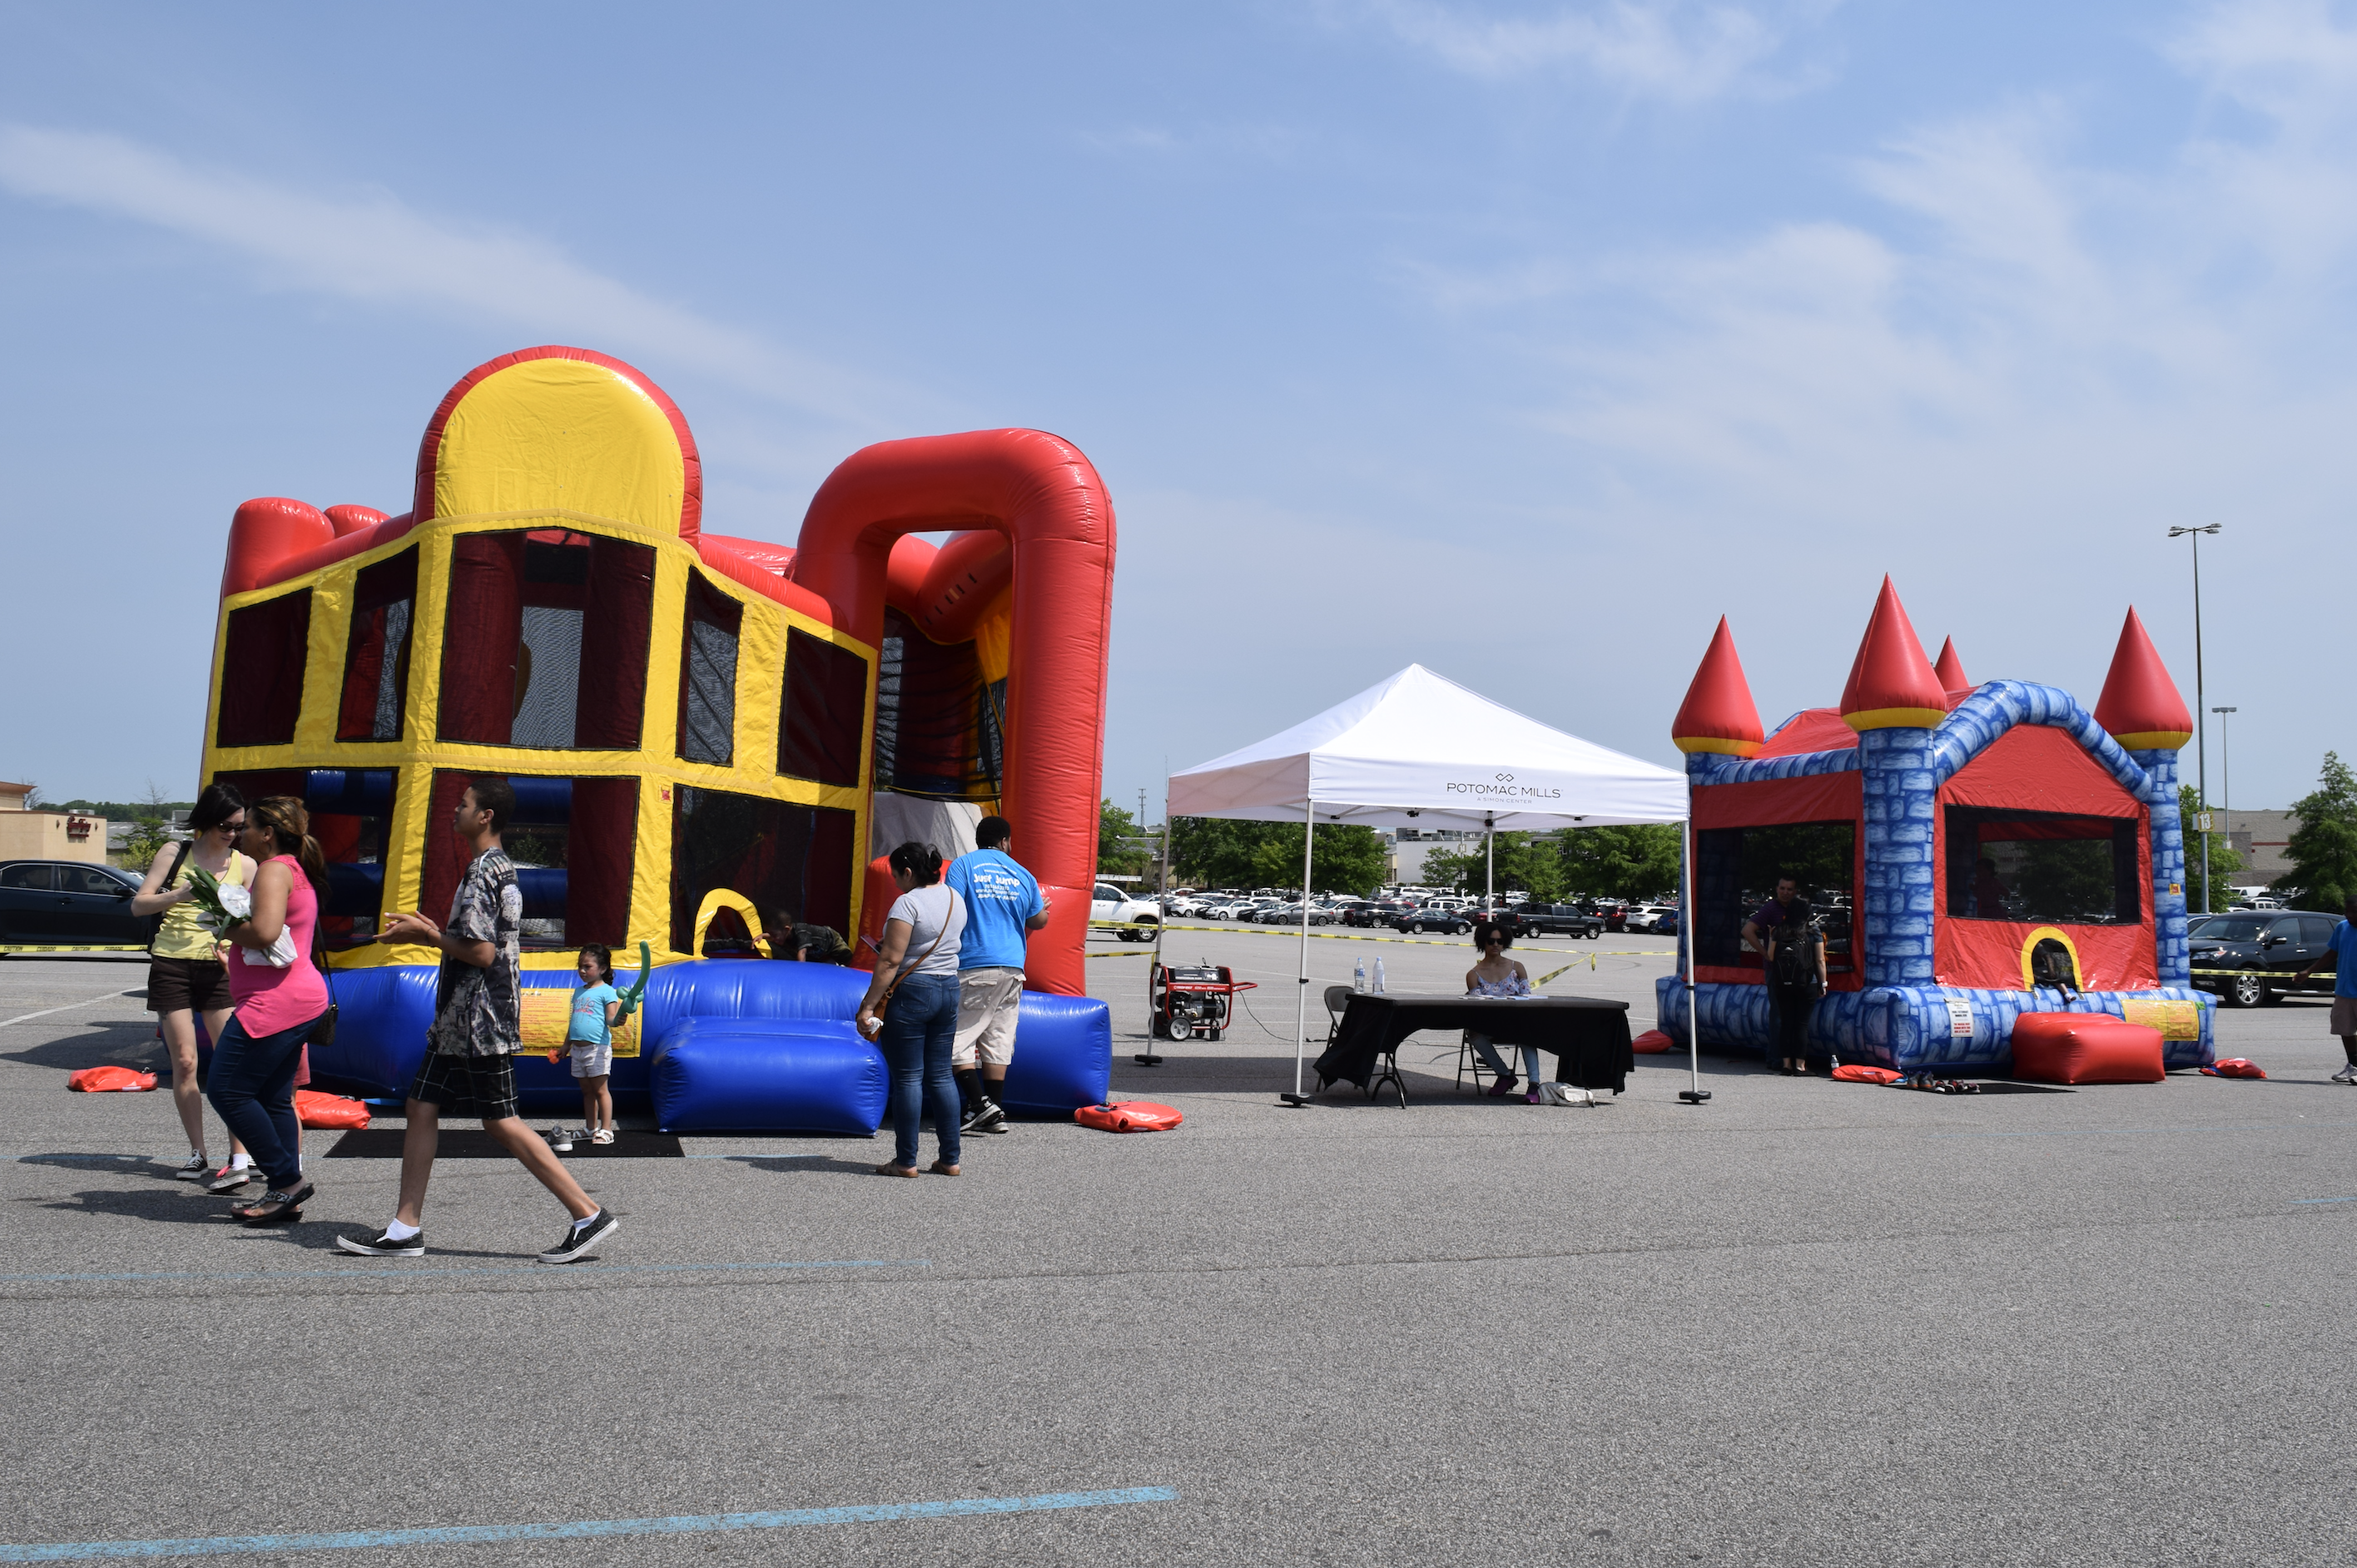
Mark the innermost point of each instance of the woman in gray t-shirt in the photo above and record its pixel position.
(916, 966)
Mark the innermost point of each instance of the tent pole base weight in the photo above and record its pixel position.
(1693, 1096)
(1298, 1102)
(1147, 1059)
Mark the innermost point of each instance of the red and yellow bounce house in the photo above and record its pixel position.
(710, 737)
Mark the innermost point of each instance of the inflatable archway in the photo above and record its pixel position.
(697, 725)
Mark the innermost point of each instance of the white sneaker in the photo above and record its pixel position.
(2347, 1074)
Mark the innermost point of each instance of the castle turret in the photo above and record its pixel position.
(2140, 706)
(1892, 700)
(1891, 684)
(1719, 715)
(2142, 710)
(1951, 669)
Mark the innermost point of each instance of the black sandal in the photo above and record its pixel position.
(276, 1207)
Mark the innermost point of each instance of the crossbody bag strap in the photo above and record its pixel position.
(180, 859)
(908, 970)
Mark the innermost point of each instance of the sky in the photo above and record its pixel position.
(1519, 341)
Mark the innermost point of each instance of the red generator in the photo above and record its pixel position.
(1190, 1002)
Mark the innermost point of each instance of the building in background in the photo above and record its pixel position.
(27, 833)
(2261, 838)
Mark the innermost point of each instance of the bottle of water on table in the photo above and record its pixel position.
(1359, 976)
(1379, 976)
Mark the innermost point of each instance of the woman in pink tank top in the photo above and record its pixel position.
(278, 1003)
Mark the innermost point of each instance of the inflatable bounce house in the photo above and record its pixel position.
(710, 737)
(1977, 852)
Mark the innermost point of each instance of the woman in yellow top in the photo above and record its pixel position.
(185, 972)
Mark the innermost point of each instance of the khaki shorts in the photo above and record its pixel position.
(988, 1002)
(2344, 1015)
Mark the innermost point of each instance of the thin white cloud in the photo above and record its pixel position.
(1672, 51)
(2020, 311)
(373, 247)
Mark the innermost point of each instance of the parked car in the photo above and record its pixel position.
(1665, 924)
(1559, 920)
(1611, 911)
(2273, 942)
(69, 903)
(1452, 921)
(1136, 916)
(1643, 916)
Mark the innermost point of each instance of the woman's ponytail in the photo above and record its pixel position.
(289, 824)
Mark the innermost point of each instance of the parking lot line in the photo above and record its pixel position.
(477, 1534)
(403, 1271)
(27, 1017)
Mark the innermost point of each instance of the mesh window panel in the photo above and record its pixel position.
(707, 675)
(1737, 869)
(599, 867)
(933, 730)
(262, 671)
(825, 709)
(482, 635)
(548, 678)
(2042, 866)
(376, 655)
(793, 861)
(618, 624)
(546, 641)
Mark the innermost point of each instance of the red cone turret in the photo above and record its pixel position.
(1891, 684)
(1719, 714)
(1950, 669)
(2141, 707)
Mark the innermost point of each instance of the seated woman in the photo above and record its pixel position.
(1497, 975)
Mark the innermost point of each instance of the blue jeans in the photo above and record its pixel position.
(1497, 1064)
(920, 1028)
(253, 1088)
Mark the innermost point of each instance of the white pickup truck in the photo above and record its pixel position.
(1137, 916)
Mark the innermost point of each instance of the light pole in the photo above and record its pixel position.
(2200, 715)
(2226, 768)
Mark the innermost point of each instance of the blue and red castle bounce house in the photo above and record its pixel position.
(1977, 852)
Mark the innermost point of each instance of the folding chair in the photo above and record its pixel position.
(1337, 998)
(1468, 1062)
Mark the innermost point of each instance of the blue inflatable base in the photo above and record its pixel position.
(767, 1075)
(1063, 1044)
(1911, 1028)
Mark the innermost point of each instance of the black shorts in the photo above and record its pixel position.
(188, 985)
(468, 1086)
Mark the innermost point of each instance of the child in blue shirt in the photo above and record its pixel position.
(2342, 951)
(597, 1008)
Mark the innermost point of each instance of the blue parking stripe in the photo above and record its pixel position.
(397, 1270)
(480, 1534)
(2349, 1199)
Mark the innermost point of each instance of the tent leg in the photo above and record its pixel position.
(1301, 991)
(1697, 1094)
(1154, 964)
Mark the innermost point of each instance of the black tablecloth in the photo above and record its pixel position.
(1588, 1035)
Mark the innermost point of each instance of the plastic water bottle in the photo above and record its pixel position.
(1359, 976)
(1379, 976)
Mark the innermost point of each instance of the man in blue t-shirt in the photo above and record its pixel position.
(1002, 903)
(2343, 950)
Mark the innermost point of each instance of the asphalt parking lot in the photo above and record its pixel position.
(1806, 1323)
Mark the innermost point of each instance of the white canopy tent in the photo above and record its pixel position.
(1420, 750)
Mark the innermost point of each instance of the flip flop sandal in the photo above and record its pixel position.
(276, 1207)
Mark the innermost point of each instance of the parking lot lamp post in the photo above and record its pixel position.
(2226, 769)
(2200, 718)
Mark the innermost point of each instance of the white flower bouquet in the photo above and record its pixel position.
(223, 905)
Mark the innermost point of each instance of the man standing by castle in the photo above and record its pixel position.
(1003, 905)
